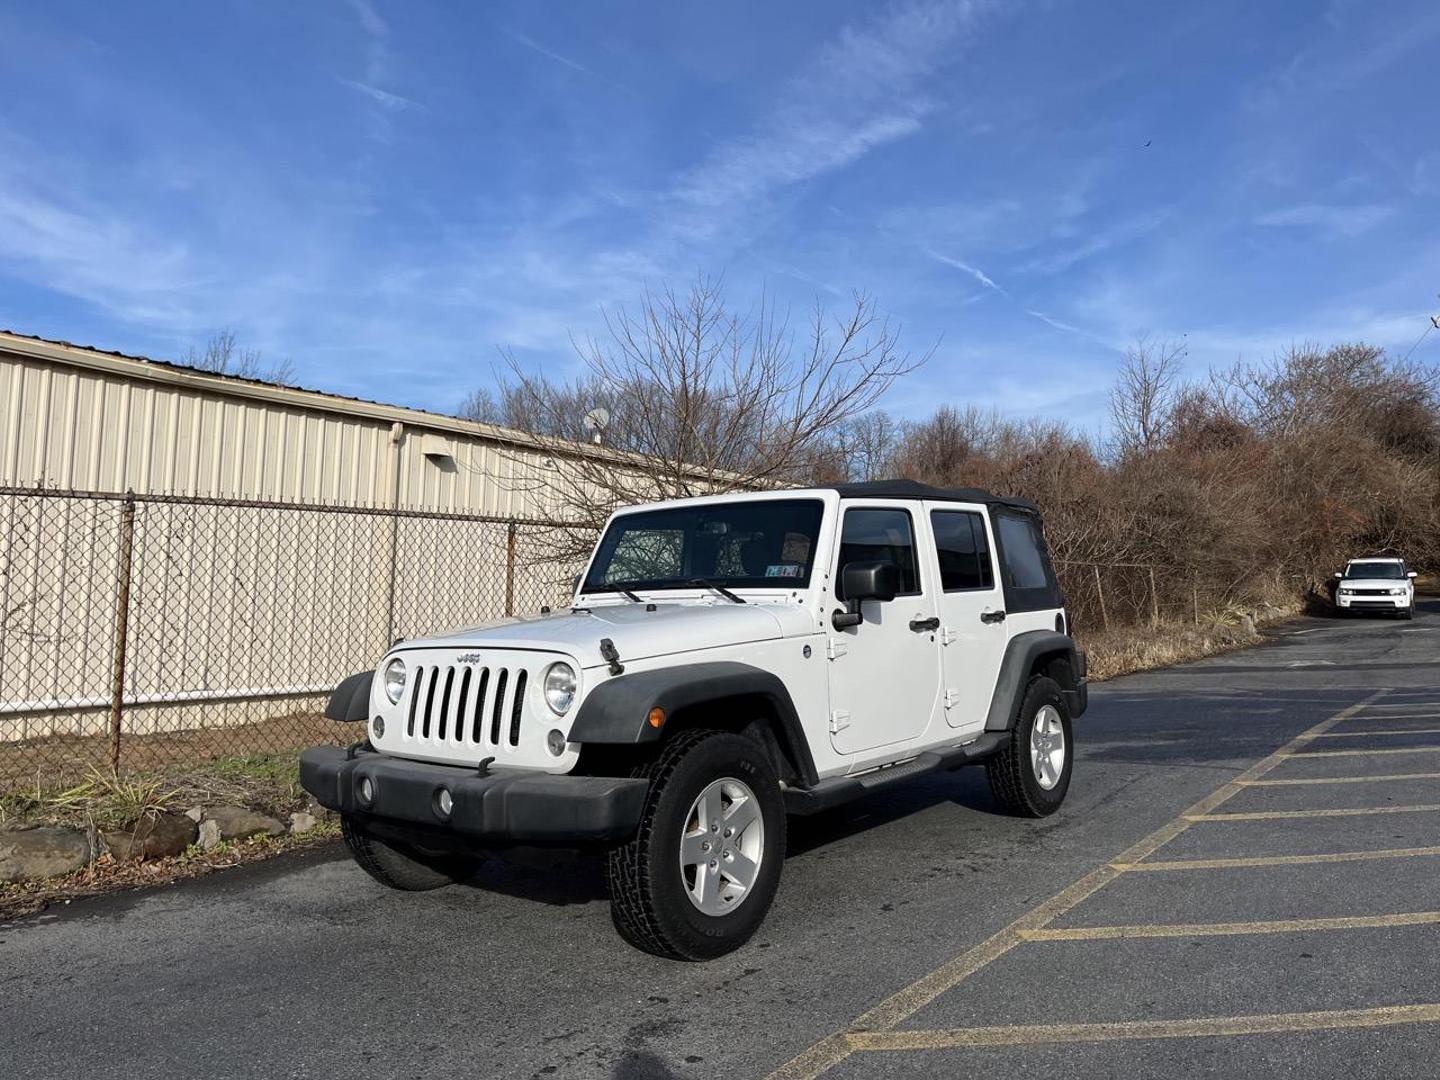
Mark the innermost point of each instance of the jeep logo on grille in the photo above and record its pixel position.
(468, 658)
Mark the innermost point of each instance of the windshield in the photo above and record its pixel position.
(1375, 570)
(769, 544)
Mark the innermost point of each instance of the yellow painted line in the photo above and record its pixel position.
(1281, 815)
(1230, 929)
(904, 1003)
(1386, 731)
(1342, 779)
(1277, 860)
(1201, 1027)
(1368, 752)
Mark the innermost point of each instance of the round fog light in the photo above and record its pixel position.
(555, 741)
(367, 790)
(444, 803)
(378, 727)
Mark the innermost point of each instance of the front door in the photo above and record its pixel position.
(971, 602)
(884, 673)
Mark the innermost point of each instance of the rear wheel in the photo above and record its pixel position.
(402, 866)
(702, 870)
(1032, 774)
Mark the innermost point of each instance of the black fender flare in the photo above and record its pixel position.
(350, 701)
(1022, 653)
(616, 712)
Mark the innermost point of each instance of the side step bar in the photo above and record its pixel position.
(842, 789)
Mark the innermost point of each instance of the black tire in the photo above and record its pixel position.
(401, 866)
(1408, 613)
(649, 901)
(1012, 777)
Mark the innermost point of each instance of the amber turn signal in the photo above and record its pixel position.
(656, 717)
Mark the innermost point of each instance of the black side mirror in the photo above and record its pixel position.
(873, 579)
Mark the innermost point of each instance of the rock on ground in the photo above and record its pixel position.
(41, 851)
(302, 822)
(238, 823)
(154, 836)
(209, 836)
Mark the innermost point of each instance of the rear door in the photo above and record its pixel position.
(884, 673)
(971, 605)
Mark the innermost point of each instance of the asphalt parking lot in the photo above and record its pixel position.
(1242, 882)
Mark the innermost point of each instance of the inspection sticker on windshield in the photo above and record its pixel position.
(782, 570)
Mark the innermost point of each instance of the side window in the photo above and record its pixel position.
(880, 534)
(963, 550)
(1023, 565)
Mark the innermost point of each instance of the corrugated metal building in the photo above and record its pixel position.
(243, 578)
(77, 418)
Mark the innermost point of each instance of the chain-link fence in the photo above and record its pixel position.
(142, 631)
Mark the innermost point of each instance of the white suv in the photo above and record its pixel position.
(1377, 584)
(726, 661)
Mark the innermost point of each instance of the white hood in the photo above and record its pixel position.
(637, 633)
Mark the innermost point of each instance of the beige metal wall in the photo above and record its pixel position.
(254, 603)
(76, 419)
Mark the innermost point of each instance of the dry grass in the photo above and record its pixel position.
(1141, 648)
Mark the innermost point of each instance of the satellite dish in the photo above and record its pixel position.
(595, 422)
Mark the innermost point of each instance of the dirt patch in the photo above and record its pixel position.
(106, 875)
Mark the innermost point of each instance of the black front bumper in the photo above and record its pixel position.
(497, 809)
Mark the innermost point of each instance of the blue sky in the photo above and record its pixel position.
(390, 193)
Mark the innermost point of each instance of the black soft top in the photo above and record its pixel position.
(913, 489)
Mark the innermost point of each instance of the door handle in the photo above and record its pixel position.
(922, 626)
(992, 616)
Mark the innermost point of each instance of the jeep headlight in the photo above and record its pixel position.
(560, 687)
(394, 680)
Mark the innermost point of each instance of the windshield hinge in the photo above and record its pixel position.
(611, 655)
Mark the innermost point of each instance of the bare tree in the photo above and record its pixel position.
(1145, 393)
(223, 355)
(700, 399)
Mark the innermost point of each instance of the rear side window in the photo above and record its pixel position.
(1022, 563)
(963, 550)
(880, 534)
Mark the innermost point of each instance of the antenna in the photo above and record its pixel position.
(595, 422)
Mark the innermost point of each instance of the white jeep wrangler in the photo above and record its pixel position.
(726, 661)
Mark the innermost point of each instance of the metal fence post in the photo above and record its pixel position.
(1100, 595)
(1154, 600)
(122, 626)
(510, 570)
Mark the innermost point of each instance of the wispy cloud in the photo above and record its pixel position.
(549, 54)
(864, 89)
(380, 97)
(1330, 220)
(1095, 243)
(974, 271)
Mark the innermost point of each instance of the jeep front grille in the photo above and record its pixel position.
(466, 705)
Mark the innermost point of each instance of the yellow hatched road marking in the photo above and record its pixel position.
(1277, 860)
(1341, 779)
(1281, 815)
(1023, 1034)
(1368, 752)
(1388, 731)
(1230, 929)
(904, 1003)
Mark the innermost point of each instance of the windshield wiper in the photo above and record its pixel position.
(717, 587)
(612, 586)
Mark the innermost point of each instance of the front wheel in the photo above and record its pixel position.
(401, 866)
(702, 870)
(1031, 775)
